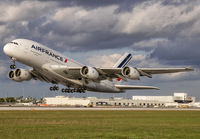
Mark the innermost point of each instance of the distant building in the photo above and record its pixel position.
(154, 98)
(178, 97)
(136, 101)
(183, 98)
(62, 100)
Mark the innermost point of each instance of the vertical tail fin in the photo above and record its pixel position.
(122, 62)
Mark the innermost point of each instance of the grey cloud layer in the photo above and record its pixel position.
(167, 30)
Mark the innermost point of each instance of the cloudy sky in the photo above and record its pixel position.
(159, 33)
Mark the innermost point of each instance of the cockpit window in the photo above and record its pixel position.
(14, 43)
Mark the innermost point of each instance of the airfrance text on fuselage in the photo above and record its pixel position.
(47, 52)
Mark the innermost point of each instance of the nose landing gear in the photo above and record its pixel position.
(13, 66)
(13, 61)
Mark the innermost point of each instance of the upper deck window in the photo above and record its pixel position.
(14, 43)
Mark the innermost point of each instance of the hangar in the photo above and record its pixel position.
(136, 101)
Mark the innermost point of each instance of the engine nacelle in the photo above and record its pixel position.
(23, 74)
(130, 73)
(89, 72)
(19, 75)
(11, 76)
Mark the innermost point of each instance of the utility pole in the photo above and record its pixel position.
(23, 93)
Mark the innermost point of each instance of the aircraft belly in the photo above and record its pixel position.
(106, 88)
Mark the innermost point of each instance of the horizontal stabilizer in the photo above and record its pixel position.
(135, 87)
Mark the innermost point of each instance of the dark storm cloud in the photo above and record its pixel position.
(92, 4)
(181, 52)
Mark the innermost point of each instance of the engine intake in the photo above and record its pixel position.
(19, 75)
(130, 73)
(89, 72)
(11, 74)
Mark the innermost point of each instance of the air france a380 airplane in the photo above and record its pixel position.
(51, 66)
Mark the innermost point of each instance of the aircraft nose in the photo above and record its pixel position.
(6, 50)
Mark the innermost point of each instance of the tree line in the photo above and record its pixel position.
(20, 100)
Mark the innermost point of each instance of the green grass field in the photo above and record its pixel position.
(99, 124)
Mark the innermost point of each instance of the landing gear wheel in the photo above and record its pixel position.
(66, 90)
(13, 66)
(63, 90)
(80, 91)
(54, 88)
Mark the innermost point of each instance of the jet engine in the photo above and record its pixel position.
(19, 75)
(130, 73)
(89, 72)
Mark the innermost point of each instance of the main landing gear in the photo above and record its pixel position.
(13, 66)
(54, 88)
(78, 90)
(68, 90)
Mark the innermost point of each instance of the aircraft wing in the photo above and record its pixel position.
(110, 73)
(75, 71)
(68, 82)
(38, 76)
(126, 87)
(148, 71)
(71, 75)
(164, 70)
(116, 72)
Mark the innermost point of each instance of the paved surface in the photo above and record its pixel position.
(95, 108)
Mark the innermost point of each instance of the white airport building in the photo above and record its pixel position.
(136, 101)
(62, 100)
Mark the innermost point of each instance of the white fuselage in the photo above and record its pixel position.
(41, 58)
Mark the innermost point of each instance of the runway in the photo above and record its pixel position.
(94, 109)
